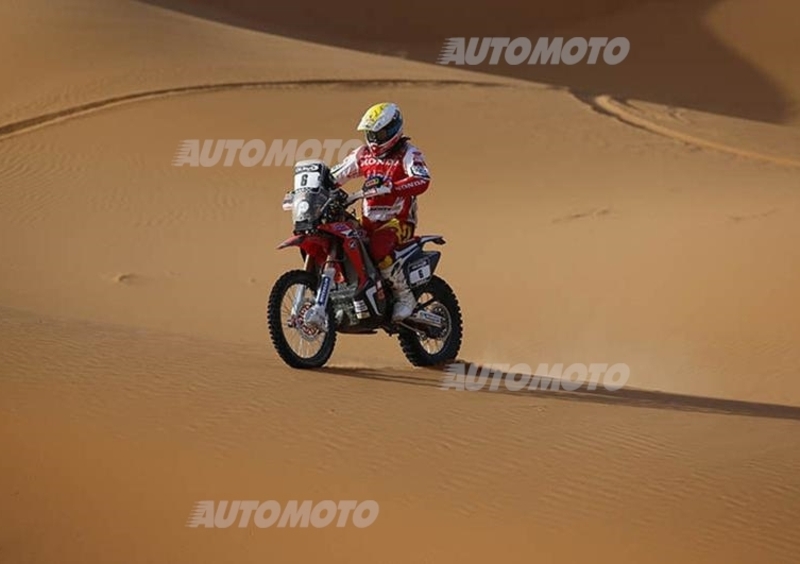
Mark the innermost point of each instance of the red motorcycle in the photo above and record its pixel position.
(340, 290)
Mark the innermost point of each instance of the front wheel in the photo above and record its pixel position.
(298, 344)
(434, 346)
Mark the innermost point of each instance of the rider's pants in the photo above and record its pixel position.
(385, 237)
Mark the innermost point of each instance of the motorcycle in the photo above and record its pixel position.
(340, 290)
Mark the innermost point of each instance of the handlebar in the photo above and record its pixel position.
(353, 198)
(340, 197)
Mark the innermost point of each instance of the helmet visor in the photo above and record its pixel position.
(383, 135)
(379, 137)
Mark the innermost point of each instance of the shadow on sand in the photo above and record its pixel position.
(628, 397)
(675, 59)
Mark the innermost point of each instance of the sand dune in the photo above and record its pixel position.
(148, 423)
(589, 218)
(757, 142)
(94, 50)
(733, 57)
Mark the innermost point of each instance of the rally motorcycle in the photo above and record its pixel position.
(340, 277)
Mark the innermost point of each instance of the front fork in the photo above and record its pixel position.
(325, 283)
(317, 314)
(308, 266)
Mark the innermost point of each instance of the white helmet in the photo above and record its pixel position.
(383, 124)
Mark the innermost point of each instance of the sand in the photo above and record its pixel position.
(589, 218)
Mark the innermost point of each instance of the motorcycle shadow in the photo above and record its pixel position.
(437, 378)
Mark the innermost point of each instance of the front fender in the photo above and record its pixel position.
(294, 241)
(311, 245)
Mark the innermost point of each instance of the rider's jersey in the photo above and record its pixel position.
(406, 169)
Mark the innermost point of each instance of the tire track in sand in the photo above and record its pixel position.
(57, 116)
(619, 110)
(603, 104)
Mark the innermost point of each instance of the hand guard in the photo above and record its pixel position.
(287, 201)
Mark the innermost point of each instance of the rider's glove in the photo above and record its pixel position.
(376, 186)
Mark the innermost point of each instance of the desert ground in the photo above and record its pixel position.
(644, 214)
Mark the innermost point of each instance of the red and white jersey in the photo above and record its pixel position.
(404, 167)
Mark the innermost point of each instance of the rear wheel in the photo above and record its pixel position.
(298, 344)
(434, 346)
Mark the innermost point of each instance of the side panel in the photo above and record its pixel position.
(419, 269)
(351, 240)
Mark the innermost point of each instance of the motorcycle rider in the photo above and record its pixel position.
(396, 174)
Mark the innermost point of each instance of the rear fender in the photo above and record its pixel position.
(435, 239)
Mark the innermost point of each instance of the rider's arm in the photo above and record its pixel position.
(417, 178)
(348, 169)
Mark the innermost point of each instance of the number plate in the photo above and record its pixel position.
(308, 176)
(419, 272)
